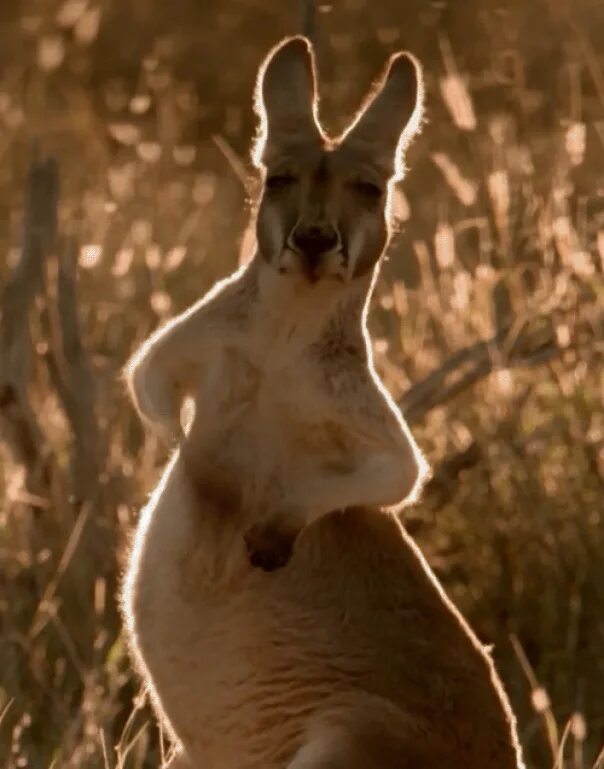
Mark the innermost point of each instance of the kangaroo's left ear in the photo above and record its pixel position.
(286, 98)
(392, 114)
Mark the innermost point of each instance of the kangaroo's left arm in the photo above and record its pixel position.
(379, 465)
(386, 466)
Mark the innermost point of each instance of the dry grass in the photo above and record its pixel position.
(505, 242)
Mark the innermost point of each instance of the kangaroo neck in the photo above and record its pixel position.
(289, 306)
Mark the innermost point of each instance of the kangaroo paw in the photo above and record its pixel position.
(270, 545)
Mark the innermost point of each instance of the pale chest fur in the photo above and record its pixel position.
(269, 385)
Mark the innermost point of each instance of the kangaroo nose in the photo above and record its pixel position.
(314, 240)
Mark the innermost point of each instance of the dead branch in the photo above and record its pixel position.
(308, 20)
(518, 344)
(18, 424)
(72, 374)
(447, 472)
(41, 272)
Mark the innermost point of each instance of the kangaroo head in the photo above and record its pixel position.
(325, 206)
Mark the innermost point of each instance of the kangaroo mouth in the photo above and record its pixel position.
(314, 266)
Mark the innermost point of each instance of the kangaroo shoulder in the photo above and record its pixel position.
(229, 301)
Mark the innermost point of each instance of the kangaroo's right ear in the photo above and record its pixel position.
(286, 98)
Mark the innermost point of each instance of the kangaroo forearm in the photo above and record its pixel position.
(159, 373)
(153, 392)
(382, 479)
(166, 368)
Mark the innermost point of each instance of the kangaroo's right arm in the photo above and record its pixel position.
(162, 371)
(165, 369)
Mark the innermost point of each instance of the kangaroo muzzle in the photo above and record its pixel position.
(313, 243)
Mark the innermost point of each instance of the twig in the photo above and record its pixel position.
(236, 163)
(440, 485)
(539, 697)
(41, 616)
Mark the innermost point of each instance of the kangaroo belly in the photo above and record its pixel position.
(241, 671)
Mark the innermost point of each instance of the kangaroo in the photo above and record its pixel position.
(349, 656)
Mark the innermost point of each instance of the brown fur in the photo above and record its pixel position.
(349, 656)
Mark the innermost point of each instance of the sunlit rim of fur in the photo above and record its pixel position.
(259, 142)
(413, 126)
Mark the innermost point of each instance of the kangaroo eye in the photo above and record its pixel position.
(372, 192)
(280, 182)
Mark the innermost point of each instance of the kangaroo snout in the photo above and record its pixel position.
(314, 240)
(314, 245)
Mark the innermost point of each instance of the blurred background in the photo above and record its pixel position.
(125, 192)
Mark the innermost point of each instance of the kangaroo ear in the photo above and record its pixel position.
(392, 114)
(286, 98)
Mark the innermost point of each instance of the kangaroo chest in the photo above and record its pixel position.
(271, 422)
(261, 397)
